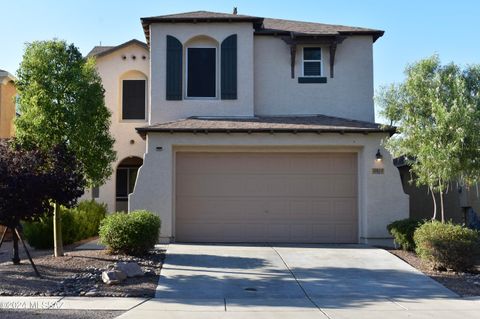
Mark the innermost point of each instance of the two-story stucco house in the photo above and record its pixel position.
(7, 104)
(125, 74)
(255, 130)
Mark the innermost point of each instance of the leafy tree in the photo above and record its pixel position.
(31, 178)
(437, 110)
(61, 101)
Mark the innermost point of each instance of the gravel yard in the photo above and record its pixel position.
(78, 273)
(464, 284)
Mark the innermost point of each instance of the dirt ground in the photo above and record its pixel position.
(464, 284)
(76, 274)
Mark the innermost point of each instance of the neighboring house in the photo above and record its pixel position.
(125, 74)
(457, 200)
(7, 109)
(259, 130)
(7, 104)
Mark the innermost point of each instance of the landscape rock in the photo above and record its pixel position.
(113, 277)
(92, 293)
(131, 269)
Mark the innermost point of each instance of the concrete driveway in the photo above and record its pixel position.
(354, 281)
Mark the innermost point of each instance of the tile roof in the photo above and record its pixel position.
(98, 51)
(267, 124)
(200, 15)
(262, 25)
(310, 28)
(6, 75)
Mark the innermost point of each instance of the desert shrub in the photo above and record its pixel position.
(402, 232)
(87, 216)
(447, 246)
(39, 234)
(132, 233)
(80, 222)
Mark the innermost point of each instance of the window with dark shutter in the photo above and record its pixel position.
(174, 68)
(229, 68)
(133, 100)
(201, 72)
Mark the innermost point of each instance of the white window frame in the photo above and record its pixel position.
(216, 73)
(303, 62)
(146, 100)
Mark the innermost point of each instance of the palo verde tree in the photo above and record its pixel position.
(61, 102)
(31, 178)
(437, 111)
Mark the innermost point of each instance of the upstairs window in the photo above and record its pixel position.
(312, 61)
(133, 99)
(201, 72)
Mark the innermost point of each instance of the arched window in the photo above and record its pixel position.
(201, 67)
(126, 177)
(133, 93)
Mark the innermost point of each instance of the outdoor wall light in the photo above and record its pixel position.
(378, 156)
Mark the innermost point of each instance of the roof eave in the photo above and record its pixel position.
(118, 47)
(146, 22)
(141, 130)
(376, 34)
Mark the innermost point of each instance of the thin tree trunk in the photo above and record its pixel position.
(434, 204)
(16, 257)
(441, 207)
(57, 232)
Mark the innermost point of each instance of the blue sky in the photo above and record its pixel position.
(413, 29)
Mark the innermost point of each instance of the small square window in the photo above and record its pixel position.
(312, 61)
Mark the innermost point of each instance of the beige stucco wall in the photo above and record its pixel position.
(349, 94)
(7, 108)
(381, 199)
(113, 69)
(163, 110)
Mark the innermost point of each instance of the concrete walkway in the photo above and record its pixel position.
(68, 303)
(234, 281)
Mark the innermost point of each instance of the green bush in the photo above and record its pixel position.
(447, 246)
(133, 233)
(87, 217)
(80, 222)
(39, 234)
(402, 232)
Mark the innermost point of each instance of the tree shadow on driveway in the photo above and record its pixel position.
(244, 281)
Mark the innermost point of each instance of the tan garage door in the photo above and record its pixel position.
(266, 197)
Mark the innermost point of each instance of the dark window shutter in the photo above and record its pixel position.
(229, 68)
(174, 68)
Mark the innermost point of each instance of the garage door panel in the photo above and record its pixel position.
(342, 163)
(278, 232)
(344, 233)
(255, 231)
(301, 232)
(344, 210)
(343, 186)
(268, 197)
(301, 209)
(323, 233)
(321, 186)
